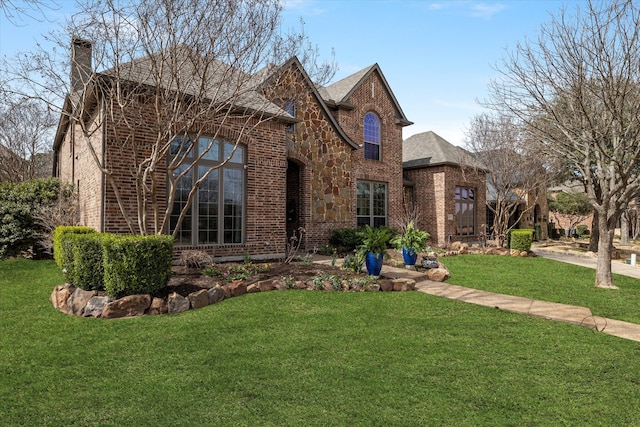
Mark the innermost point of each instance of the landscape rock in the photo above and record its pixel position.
(238, 288)
(78, 300)
(60, 296)
(252, 288)
(439, 274)
(177, 303)
(216, 294)
(386, 285)
(371, 287)
(128, 306)
(158, 306)
(96, 305)
(403, 285)
(265, 285)
(455, 246)
(299, 284)
(199, 299)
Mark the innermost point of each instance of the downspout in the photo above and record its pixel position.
(104, 150)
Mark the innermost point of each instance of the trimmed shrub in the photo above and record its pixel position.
(521, 239)
(346, 239)
(87, 272)
(582, 230)
(62, 250)
(136, 264)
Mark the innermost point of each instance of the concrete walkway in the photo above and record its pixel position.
(548, 310)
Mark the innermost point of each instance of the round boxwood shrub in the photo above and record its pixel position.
(521, 239)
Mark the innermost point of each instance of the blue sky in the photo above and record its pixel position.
(437, 56)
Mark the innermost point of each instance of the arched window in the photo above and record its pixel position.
(217, 212)
(371, 137)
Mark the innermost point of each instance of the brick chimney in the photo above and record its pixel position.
(80, 63)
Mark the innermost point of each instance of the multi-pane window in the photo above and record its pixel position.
(465, 211)
(371, 137)
(371, 203)
(217, 212)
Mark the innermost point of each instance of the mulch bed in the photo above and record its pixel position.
(187, 280)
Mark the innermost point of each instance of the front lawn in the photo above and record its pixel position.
(302, 358)
(547, 280)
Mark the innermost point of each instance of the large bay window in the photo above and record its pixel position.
(371, 203)
(465, 211)
(217, 212)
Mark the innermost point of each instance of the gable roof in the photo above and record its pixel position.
(267, 74)
(338, 93)
(430, 149)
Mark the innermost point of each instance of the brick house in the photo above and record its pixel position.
(327, 158)
(449, 196)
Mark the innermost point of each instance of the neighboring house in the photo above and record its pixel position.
(447, 189)
(568, 222)
(535, 206)
(329, 157)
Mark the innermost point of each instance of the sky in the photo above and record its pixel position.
(437, 56)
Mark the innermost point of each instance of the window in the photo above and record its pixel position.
(371, 203)
(465, 211)
(217, 212)
(371, 137)
(290, 108)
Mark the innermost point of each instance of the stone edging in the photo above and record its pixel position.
(75, 301)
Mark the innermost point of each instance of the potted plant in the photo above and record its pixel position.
(374, 247)
(411, 242)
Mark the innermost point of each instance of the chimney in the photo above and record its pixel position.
(80, 63)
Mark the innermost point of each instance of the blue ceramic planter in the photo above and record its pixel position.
(410, 257)
(374, 263)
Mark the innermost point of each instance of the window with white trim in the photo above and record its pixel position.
(217, 212)
(371, 203)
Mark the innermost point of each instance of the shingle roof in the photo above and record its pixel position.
(340, 91)
(430, 149)
(196, 76)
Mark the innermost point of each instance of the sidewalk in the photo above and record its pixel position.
(617, 266)
(581, 316)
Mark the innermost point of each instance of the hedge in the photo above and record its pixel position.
(62, 250)
(136, 264)
(87, 272)
(521, 239)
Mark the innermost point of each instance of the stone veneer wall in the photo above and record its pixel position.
(325, 162)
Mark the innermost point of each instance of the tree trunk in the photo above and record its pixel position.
(624, 229)
(595, 234)
(603, 266)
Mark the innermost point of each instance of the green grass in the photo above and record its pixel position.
(547, 280)
(302, 358)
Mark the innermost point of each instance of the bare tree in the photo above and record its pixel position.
(177, 69)
(577, 87)
(515, 174)
(26, 127)
(16, 10)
